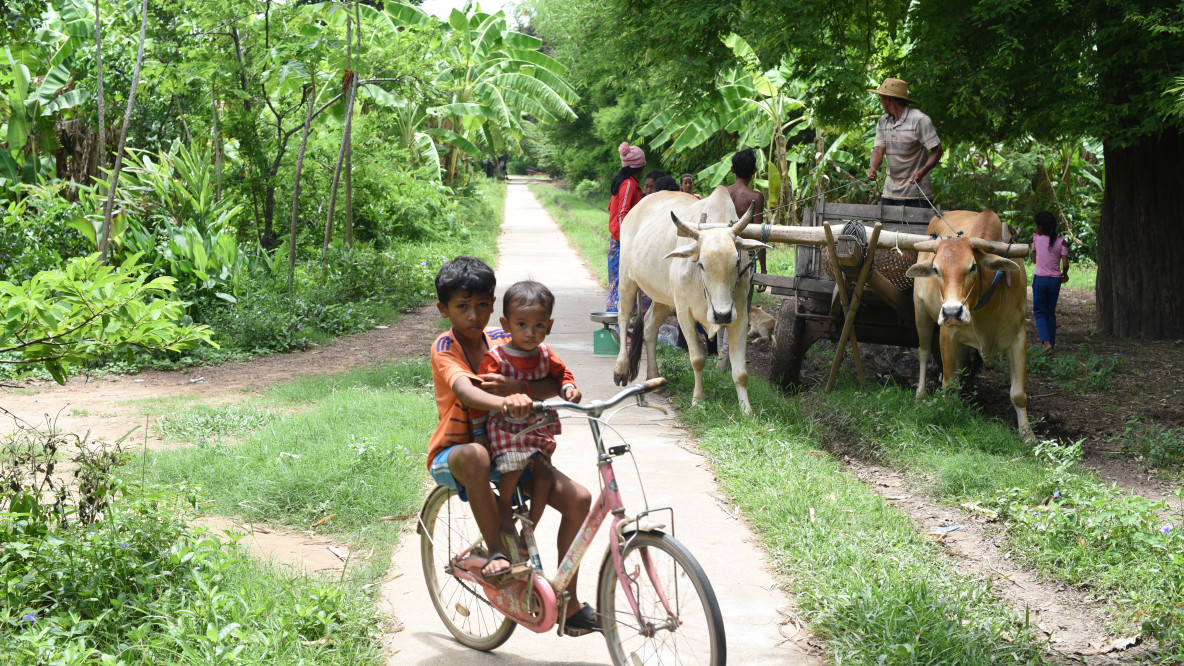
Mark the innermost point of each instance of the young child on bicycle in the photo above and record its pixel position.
(527, 318)
(464, 287)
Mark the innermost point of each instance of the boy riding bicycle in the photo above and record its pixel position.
(464, 287)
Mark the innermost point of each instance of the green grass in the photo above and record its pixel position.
(1081, 276)
(1060, 518)
(358, 453)
(585, 223)
(1080, 369)
(872, 587)
(201, 423)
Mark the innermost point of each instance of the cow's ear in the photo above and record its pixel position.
(685, 251)
(920, 270)
(997, 263)
(750, 245)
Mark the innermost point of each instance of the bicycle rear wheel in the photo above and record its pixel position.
(692, 632)
(448, 528)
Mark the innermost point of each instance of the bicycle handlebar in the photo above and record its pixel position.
(598, 407)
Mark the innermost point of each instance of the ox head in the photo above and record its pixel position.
(716, 256)
(958, 265)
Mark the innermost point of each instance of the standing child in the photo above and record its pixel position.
(1046, 285)
(527, 317)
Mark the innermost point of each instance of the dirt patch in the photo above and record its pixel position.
(99, 406)
(301, 551)
(1070, 620)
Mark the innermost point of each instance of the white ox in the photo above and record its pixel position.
(961, 286)
(705, 280)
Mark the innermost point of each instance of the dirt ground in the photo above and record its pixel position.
(1148, 385)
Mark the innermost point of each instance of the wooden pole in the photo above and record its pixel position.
(887, 239)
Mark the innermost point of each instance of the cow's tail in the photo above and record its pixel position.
(636, 342)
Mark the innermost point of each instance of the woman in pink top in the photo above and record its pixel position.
(1046, 285)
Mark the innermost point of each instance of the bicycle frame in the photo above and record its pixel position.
(514, 600)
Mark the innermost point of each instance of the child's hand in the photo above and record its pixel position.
(572, 394)
(518, 406)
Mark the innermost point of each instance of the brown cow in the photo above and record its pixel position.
(956, 287)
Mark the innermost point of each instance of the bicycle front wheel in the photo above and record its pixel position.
(681, 619)
(449, 529)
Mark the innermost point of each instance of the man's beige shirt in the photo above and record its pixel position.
(907, 141)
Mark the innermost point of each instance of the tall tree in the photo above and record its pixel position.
(109, 206)
(1099, 68)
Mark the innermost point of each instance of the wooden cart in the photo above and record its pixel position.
(816, 305)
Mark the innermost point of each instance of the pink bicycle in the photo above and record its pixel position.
(655, 604)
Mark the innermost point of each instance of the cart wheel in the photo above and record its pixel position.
(786, 369)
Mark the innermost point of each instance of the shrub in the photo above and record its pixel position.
(35, 233)
(587, 189)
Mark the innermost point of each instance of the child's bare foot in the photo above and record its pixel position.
(496, 565)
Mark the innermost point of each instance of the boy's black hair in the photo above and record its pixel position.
(528, 292)
(464, 273)
(625, 172)
(1046, 224)
(655, 175)
(666, 183)
(744, 164)
(685, 176)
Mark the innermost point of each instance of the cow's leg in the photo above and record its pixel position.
(694, 348)
(655, 317)
(628, 296)
(1017, 356)
(737, 350)
(949, 357)
(925, 348)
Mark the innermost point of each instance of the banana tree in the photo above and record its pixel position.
(757, 105)
(36, 102)
(493, 77)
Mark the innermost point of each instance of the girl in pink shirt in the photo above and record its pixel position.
(1052, 270)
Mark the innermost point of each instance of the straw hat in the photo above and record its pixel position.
(894, 88)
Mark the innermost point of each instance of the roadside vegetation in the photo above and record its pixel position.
(783, 467)
(869, 583)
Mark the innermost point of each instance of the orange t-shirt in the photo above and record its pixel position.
(448, 363)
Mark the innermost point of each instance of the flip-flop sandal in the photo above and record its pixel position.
(582, 623)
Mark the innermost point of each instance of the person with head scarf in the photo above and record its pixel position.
(625, 194)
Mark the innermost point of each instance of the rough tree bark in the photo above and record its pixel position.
(312, 97)
(1140, 289)
(109, 206)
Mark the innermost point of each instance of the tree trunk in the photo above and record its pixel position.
(312, 98)
(109, 206)
(1140, 288)
(351, 82)
(217, 147)
(100, 103)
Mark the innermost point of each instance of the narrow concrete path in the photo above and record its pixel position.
(674, 474)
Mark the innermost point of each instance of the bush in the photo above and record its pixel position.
(96, 571)
(35, 233)
(587, 189)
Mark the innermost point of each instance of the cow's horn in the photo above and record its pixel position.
(683, 230)
(926, 246)
(739, 226)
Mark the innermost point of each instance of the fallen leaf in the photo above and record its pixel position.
(323, 640)
(989, 514)
(1118, 644)
(392, 519)
(339, 552)
(811, 514)
(830, 496)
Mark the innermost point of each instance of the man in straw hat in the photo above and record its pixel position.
(906, 137)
